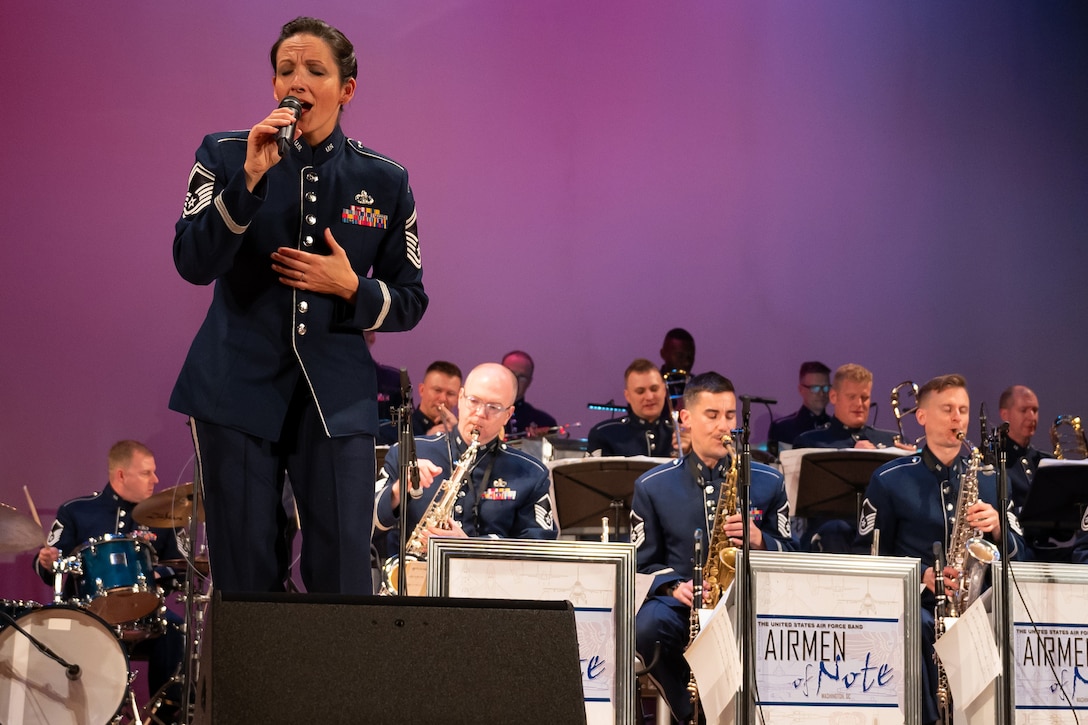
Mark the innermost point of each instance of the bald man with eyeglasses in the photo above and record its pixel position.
(507, 493)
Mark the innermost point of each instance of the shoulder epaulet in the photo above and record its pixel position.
(523, 455)
(358, 148)
(898, 463)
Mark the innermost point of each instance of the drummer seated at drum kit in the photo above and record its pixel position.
(110, 559)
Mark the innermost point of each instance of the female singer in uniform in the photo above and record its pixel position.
(309, 242)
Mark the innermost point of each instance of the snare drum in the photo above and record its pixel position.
(149, 627)
(117, 579)
(36, 690)
(15, 608)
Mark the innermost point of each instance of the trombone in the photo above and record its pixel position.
(675, 383)
(911, 389)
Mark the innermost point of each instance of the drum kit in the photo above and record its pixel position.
(67, 661)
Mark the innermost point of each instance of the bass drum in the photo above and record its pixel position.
(36, 690)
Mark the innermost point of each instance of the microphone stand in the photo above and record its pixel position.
(999, 440)
(408, 469)
(746, 643)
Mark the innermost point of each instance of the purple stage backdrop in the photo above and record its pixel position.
(903, 185)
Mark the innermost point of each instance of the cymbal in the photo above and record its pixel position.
(168, 509)
(200, 564)
(18, 532)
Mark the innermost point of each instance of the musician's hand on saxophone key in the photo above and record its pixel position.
(451, 529)
(734, 529)
(984, 517)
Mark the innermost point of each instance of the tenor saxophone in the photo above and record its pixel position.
(437, 514)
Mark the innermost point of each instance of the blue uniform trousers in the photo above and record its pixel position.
(332, 481)
(666, 619)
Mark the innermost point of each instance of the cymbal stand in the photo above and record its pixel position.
(195, 599)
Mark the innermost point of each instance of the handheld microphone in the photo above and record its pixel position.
(757, 399)
(73, 672)
(286, 134)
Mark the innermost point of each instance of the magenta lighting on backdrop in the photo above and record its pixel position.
(897, 185)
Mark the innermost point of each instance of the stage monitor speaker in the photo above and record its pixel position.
(299, 658)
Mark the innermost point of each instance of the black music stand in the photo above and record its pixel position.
(588, 489)
(1057, 498)
(832, 483)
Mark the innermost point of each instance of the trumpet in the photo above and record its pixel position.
(899, 412)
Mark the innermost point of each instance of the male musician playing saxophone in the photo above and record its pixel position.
(912, 501)
(506, 493)
(647, 429)
(670, 503)
(851, 394)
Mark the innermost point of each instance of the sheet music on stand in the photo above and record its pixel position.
(834, 479)
(1057, 497)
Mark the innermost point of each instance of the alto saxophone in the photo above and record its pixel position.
(970, 555)
(709, 579)
(968, 552)
(721, 557)
(437, 514)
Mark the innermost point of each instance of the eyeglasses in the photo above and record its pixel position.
(489, 409)
(818, 388)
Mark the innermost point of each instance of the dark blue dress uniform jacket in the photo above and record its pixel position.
(509, 490)
(909, 502)
(837, 435)
(632, 436)
(94, 516)
(787, 428)
(670, 503)
(259, 336)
